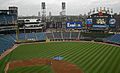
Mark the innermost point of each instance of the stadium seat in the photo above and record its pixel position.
(30, 36)
(7, 19)
(50, 36)
(6, 41)
(74, 35)
(114, 39)
(40, 36)
(57, 35)
(66, 35)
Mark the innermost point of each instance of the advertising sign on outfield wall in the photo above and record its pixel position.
(73, 24)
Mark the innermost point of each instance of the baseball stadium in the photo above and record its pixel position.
(60, 44)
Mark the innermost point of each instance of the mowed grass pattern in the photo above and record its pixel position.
(32, 69)
(90, 57)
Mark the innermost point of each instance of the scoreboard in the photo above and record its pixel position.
(100, 21)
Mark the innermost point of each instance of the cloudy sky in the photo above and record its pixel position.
(74, 7)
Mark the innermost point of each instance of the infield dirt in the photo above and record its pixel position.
(57, 66)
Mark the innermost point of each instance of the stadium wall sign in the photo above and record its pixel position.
(73, 25)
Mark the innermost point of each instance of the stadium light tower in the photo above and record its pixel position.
(63, 9)
(39, 14)
(43, 12)
(63, 15)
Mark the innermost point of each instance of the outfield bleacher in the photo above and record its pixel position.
(50, 36)
(113, 39)
(57, 35)
(74, 35)
(64, 36)
(40, 36)
(30, 36)
(6, 41)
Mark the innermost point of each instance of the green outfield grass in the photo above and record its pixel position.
(90, 57)
(32, 69)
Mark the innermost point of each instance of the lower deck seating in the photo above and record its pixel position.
(6, 41)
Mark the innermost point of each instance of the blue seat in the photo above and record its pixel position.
(50, 36)
(21, 36)
(66, 35)
(30, 36)
(6, 41)
(41, 36)
(115, 38)
(57, 35)
(74, 35)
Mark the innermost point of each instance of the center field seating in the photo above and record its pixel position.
(30, 36)
(114, 39)
(50, 36)
(57, 35)
(21, 36)
(40, 36)
(74, 35)
(7, 41)
(66, 35)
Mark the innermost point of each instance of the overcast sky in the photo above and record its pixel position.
(73, 7)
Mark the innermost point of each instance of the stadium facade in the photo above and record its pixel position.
(97, 26)
(8, 19)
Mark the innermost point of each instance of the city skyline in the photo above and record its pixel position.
(73, 7)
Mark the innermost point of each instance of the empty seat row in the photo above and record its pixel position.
(63, 35)
(6, 41)
(114, 38)
(30, 36)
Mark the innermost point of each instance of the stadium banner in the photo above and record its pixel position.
(112, 22)
(89, 22)
(73, 25)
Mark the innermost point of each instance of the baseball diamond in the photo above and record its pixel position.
(88, 57)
